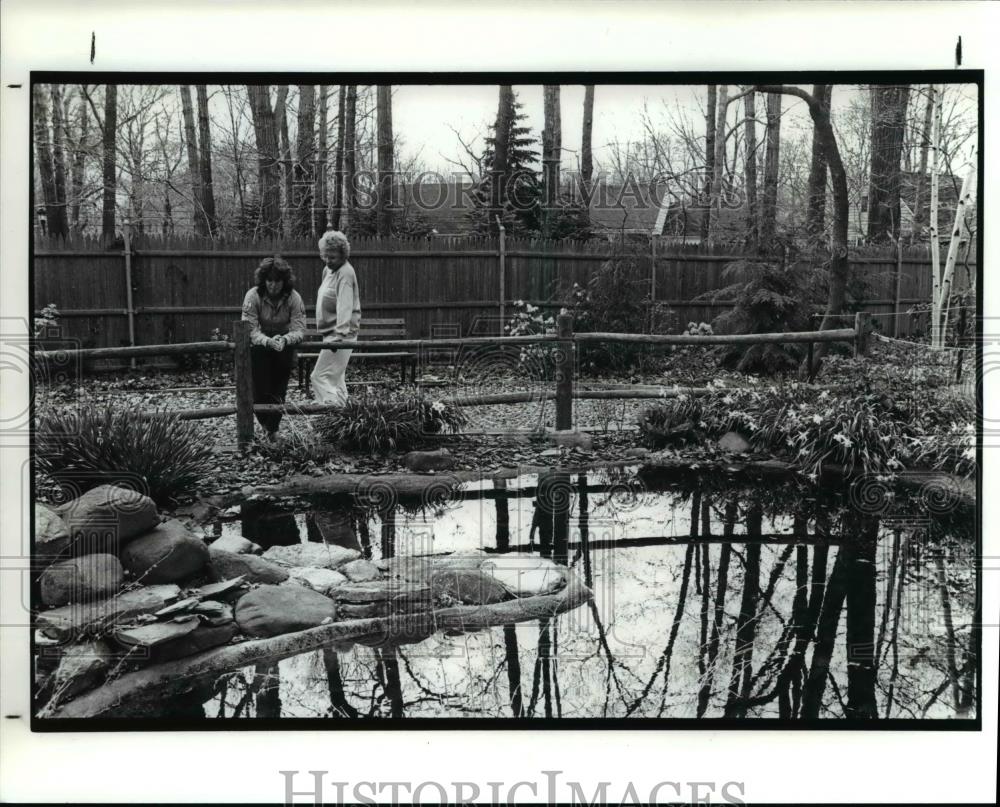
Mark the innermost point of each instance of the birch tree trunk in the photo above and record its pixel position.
(350, 159)
(501, 147)
(816, 212)
(194, 167)
(110, 166)
(205, 161)
(338, 176)
(267, 159)
(710, 126)
(305, 146)
(320, 201)
(384, 210)
(750, 164)
(959, 237)
(769, 204)
(43, 155)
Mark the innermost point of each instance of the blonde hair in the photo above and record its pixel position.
(334, 240)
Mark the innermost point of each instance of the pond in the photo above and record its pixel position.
(712, 598)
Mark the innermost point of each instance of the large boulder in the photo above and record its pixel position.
(733, 443)
(438, 460)
(321, 556)
(468, 587)
(526, 575)
(226, 565)
(236, 544)
(571, 438)
(81, 667)
(52, 537)
(166, 554)
(80, 580)
(109, 517)
(321, 580)
(361, 571)
(274, 610)
(163, 641)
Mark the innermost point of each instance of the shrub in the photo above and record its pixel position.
(46, 321)
(768, 297)
(528, 320)
(377, 423)
(95, 446)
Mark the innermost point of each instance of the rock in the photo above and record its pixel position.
(95, 618)
(252, 568)
(274, 610)
(52, 537)
(636, 453)
(570, 438)
(80, 580)
(214, 613)
(361, 571)
(164, 641)
(165, 555)
(109, 516)
(222, 591)
(236, 544)
(81, 668)
(438, 460)
(526, 575)
(466, 586)
(419, 568)
(365, 610)
(550, 452)
(321, 580)
(733, 443)
(320, 556)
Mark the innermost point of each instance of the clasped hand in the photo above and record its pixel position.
(276, 343)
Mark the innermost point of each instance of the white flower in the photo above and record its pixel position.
(437, 407)
(894, 463)
(728, 400)
(843, 439)
(817, 419)
(824, 395)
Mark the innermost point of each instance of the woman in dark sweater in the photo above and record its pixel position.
(277, 317)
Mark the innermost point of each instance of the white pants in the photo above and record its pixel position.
(327, 377)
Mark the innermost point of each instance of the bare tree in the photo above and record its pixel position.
(79, 162)
(348, 195)
(205, 161)
(320, 200)
(194, 167)
(816, 210)
(285, 149)
(586, 146)
(750, 163)
(59, 157)
(384, 201)
(55, 213)
(267, 158)
(110, 127)
(551, 155)
(918, 190)
(888, 125)
(718, 160)
(304, 156)
(710, 131)
(769, 203)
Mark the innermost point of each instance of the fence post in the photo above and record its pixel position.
(565, 364)
(899, 283)
(243, 376)
(130, 307)
(860, 340)
(654, 239)
(503, 273)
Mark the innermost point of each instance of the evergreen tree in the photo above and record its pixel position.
(522, 206)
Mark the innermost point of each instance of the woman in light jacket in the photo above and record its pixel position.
(338, 317)
(277, 318)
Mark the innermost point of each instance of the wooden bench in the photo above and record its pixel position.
(372, 330)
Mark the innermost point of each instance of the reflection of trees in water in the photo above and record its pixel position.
(843, 616)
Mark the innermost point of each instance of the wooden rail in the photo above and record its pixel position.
(565, 342)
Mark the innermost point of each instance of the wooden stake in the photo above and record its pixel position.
(243, 373)
(566, 360)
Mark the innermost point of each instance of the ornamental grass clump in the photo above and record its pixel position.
(861, 431)
(377, 424)
(162, 456)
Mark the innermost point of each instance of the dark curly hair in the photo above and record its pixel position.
(274, 268)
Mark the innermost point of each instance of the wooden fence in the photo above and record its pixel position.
(185, 288)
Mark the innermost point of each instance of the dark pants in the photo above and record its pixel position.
(271, 371)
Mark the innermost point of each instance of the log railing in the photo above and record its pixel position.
(564, 340)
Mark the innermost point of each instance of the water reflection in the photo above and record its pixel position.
(710, 600)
